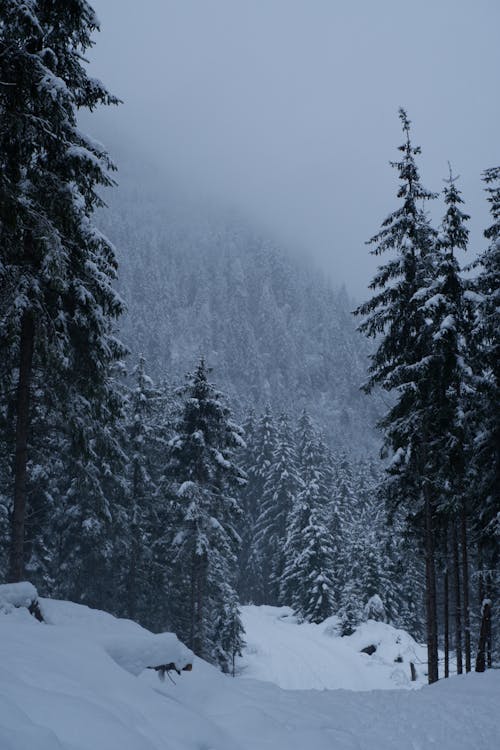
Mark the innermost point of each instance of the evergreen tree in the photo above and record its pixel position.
(403, 360)
(449, 440)
(309, 556)
(255, 574)
(56, 269)
(203, 491)
(146, 426)
(486, 366)
(281, 485)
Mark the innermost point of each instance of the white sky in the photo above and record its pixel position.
(288, 108)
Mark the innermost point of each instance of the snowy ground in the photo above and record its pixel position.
(72, 685)
(309, 656)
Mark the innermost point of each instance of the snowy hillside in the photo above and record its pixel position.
(309, 656)
(72, 685)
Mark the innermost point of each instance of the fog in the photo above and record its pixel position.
(287, 109)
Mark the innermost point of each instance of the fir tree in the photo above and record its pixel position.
(56, 269)
(403, 359)
(146, 439)
(309, 556)
(203, 491)
(486, 365)
(255, 574)
(281, 485)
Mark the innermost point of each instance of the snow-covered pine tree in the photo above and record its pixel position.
(307, 582)
(449, 312)
(484, 501)
(486, 362)
(228, 632)
(396, 317)
(204, 487)
(57, 304)
(254, 582)
(281, 486)
(249, 500)
(146, 428)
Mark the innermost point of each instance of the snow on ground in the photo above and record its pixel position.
(309, 656)
(60, 689)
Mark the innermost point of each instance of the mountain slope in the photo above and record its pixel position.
(197, 281)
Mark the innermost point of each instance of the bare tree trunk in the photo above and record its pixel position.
(446, 613)
(198, 649)
(431, 599)
(457, 590)
(483, 636)
(465, 585)
(26, 343)
(489, 645)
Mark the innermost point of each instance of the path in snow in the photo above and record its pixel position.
(307, 656)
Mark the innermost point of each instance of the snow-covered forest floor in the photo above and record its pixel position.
(72, 684)
(309, 656)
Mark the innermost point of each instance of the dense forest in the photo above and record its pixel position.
(199, 282)
(129, 485)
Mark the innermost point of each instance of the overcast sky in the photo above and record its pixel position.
(288, 108)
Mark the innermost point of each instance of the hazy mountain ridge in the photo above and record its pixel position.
(196, 282)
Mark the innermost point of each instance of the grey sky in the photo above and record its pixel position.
(288, 108)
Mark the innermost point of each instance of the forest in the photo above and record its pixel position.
(192, 418)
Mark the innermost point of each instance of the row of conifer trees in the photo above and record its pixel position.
(437, 333)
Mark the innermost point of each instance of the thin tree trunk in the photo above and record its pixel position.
(431, 599)
(483, 636)
(457, 590)
(489, 645)
(465, 584)
(26, 343)
(446, 613)
(198, 649)
(135, 548)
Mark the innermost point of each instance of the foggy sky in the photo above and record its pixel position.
(288, 108)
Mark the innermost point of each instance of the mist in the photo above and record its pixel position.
(286, 110)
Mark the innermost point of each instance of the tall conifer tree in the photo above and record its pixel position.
(401, 362)
(205, 484)
(57, 304)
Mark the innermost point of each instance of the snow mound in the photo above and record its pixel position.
(308, 656)
(17, 595)
(135, 654)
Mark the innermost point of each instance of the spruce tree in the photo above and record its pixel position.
(450, 439)
(309, 557)
(146, 440)
(484, 474)
(281, 486)
(56, 269)
(397, 318)
(263, 447)
(486, 365)
(203, 492)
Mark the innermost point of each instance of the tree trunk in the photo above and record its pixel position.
(458, 610)
(465, 585)
(431, 600)
(26, 343)
(446, 613)
(483, 636)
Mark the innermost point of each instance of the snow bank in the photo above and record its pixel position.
(61, 690)
(17, 595)
(129, 645)
(313, 656)
(135, 654)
